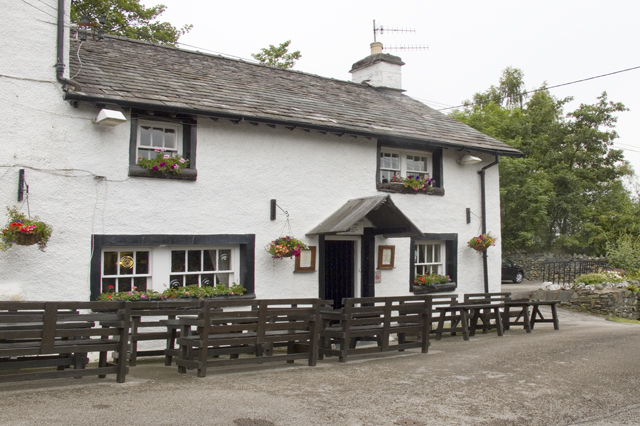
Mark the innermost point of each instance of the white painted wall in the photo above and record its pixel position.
(77, 173)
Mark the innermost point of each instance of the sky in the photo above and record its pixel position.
(469, 42)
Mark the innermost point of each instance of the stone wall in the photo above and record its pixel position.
(618, 302)
(533, 263)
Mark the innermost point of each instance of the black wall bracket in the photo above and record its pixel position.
(22, 185)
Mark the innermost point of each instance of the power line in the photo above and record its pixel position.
(560, 85)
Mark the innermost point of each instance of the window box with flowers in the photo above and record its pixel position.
(23, 231)
(432, 283)
(188, 292)
(410, 185)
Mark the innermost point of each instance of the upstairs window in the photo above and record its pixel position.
(154, 136)
(403, 164)
(174, 135)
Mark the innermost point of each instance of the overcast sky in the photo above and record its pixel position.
(469, 43)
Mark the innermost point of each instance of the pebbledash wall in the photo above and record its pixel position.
(78, 180)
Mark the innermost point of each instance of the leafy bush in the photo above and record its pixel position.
(633, 288)
(599, 278)
(624, 253)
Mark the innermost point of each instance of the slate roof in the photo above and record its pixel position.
(135, 74)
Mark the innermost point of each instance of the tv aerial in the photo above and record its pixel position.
(381, 29)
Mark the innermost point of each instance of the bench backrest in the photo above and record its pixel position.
(29, 328)
(368, 311)
(261, 317)
(487, 297)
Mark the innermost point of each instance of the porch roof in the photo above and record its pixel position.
(386, 218)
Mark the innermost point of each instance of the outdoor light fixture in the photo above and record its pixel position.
(469, 159)
(110, 117)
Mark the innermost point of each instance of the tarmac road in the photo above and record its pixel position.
(587, 373)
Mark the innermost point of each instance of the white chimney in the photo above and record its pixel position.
(378, 69)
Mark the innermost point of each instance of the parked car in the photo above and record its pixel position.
(511, 271)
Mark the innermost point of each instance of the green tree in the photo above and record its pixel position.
(278, 56)
(128, 18)
(567, 193)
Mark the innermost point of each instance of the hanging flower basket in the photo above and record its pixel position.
(25, 239)
(482, 242)
(25, 232)
(285, 247)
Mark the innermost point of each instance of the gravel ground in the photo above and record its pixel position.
(586, 373)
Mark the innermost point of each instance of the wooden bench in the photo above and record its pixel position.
(376, 318)
(451, 317)
(487, 311)
(36, 336)
(537, 317)
(152, 321)
(257, 327)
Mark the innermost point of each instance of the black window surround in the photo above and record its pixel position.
(451, 255)
(436, 160)
(189, 142)
(246, 242)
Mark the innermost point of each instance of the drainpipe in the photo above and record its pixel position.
(60, 60)
(484, 219)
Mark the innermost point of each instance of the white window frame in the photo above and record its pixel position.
(162, 125)
(118, 275)
(403, 170)
(230, 273)
(438, 251)
(158, 278)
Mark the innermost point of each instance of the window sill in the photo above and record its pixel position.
(436, 288)
(187, 174)
(399, 188)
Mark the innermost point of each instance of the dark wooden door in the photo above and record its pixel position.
(339, 267)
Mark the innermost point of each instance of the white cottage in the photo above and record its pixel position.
(271, 152)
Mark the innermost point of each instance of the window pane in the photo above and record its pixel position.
(436, 254)
(126, 263)
(145, 136)
(191, 279)
(194, 260)
(208, 261)
(421, 254)
(224, 260)
(176, 281)
(416, 164)
(178, 261)
(170, 138)
(222, 279)
(110, 263)
(157, 137)
(124, 284)
(108, 285)
(142, 262)
(140, 283)
(429, 253)
(206, 280)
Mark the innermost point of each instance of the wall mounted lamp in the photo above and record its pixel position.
(469, 159)
(110, 117)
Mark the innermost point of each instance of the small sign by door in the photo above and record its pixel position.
(378, 277)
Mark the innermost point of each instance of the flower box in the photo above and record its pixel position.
(434, 288)
(399, 188)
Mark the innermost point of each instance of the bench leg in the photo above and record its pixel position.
(554, 312)
(465, 324)
(498, 318)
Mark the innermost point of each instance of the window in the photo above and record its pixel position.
(435, 254)
(402, 163)
(208, 267)
(430, 258)
(158, 135)
(154, 262)
(172, 134)
(125, 270)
